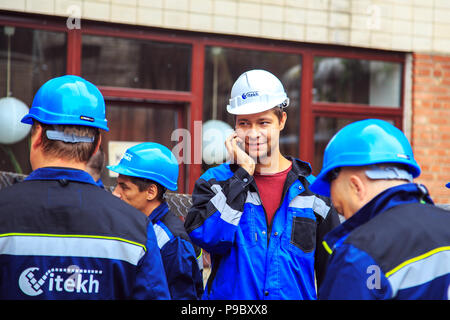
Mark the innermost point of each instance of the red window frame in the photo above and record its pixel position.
(194, 98)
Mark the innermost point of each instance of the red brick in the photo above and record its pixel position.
(438, 89)
(443, 98)
(423, 80)
(431, 122)
(422, 64)
(437, 73)
(423, 95)
(422, 72)
(420, 87)
(420, 56)
(441, 58)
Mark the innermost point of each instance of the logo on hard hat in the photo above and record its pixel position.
(86, 118)
(250, 94)
(404, 156)
(127, 156)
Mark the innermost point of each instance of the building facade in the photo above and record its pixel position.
(166, 68)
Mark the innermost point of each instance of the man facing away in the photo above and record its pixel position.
(145, 172)
(256, 215)
(394, 244)
(61, 236)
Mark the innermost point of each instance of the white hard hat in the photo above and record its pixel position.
(256, 91)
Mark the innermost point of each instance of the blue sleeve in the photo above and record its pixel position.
(183, 275)
(353, 275)
(151, 282)
(217, 208)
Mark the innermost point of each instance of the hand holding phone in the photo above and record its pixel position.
(237, 154)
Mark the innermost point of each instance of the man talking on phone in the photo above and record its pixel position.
(255, 214)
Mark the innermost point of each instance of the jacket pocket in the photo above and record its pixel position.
(246, 234)
(303, 234)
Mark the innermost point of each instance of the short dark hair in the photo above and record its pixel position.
(97, 161)
(81, 151)
(143, 184)
(278, 112)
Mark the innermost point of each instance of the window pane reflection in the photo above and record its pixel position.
(136, 123)
(374, 83)
(36, 56)
(325, 129)
(224, 65)
(132, 63)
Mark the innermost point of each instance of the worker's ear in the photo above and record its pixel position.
(358, 187)
(36, 136)
(283, 120)
(99, 142)
(152, 192)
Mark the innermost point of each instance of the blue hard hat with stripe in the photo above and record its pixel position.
(68, 100)
(365, 142)
(152, 161)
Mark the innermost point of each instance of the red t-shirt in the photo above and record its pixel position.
(270, 187)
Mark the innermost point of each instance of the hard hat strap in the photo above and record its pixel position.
(69, 138)
(388, 173)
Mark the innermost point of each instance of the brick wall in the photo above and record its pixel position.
(431, 122)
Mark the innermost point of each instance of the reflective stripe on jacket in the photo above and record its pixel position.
(251, 259)
(63, 237)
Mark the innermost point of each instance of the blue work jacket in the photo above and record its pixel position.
(63, 237)
(180, 263)
(252, 259)
(395, 247)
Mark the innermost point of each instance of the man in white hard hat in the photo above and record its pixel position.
(255, 214)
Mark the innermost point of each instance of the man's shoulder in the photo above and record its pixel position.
(75, 208)
(300, 167)
(174, 224)
(401, 233)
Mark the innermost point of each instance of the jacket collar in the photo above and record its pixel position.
(299, 167)
(59, 173)
(403, 194)
(159, 212)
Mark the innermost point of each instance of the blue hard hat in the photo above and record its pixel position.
(361, 143)
(69, 100)
(448, 185)
(151, 161)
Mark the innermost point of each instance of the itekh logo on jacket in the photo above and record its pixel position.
(72, 279)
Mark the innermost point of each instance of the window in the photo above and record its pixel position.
(373, 83)
(351, 89)
(132, 123)
(35, 57)
(132, 63)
